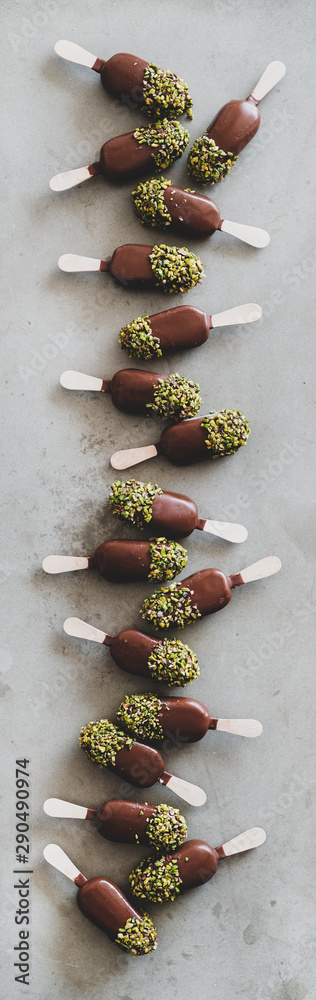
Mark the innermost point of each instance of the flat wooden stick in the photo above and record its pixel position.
(248, 234)
(271, 76)
(247, 313)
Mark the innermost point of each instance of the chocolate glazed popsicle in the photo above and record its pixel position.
(187, 868)
(178, 329)
(135, 391)
(170, 269)
(105, 905)
(201, 594)
(126, 822)
(137, 83)
(159, 204)
(141, 765)
(237, 122)
(172, 514)
(166, 661)
(126, 561)
(214, 436)
(183, 720)
(126, 156)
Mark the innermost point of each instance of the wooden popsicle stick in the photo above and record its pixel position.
(58, 859)
(64, 564)
(223, 529)
(132, 456)
(64, 810)
(81, 630)
(271, 76)
(192, 794)
(70, 179)
(248, 234)
(247, 313)
(244, 842)
(259, 570)
(77, 380)
(74, 53)
(73, 263)
(239, 727)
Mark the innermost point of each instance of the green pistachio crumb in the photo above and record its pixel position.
(137, 339)
(132, 501)
(170, 606)
(167, 559)
(165, 93)
(207, 162)
(176, 269)
(227, 431)
(173, 663)
(101, 741)
(156, 879)
(167, 141)
(149, 204)
(166, 829)
(137, 936)
(139, 715)
(176, 398)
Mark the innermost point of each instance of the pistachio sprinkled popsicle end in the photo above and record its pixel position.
(176, 269)
(227, 431)
(175, 398)
(167, 141)
(173, 663)
(132, 501)
(208, 163)
(155, 879)
(138, 937)
(165, 94)
(170, 606)
(167, 559)
(137, 339)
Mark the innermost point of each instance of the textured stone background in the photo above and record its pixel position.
(248, 934)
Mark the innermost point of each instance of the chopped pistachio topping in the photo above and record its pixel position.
(227, 431)
(137, 936)
(207, 162)
(133, 501)
(173, 663)
(101, 741)
(156, 878)
(165, 93)
(176, 269)
(137, 339)
(167, 141)
(170, 606)
(150, 205)
(167, 559)
(139, 715)
(166, 829)
(176, 398)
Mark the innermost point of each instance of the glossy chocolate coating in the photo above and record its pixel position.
(235, 125)
(200, 866)
(131, 389)
(210, 588)
(174, 515)
(130, 265)
(124, 821)
(123, 561)
(105, 905)
(185, 443)
(180, 328)
(123, 75)
(192, 213)
(184, 719)
(140, 765)
(131, 650)
(123, 157)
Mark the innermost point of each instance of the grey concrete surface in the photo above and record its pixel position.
(248, 934)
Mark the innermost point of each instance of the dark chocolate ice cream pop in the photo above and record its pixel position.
(159, 204)
(124, 561)
(201, 594)
(170, 269)
(137, 83)
(179, 329)
(212, 156)
(184, 720)
(173, 514)
(166, 661)
(141, 765)
(161, 827)
(105, 905)
(134, 391)
(130, 155)
(214, 436)
(193, 864)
